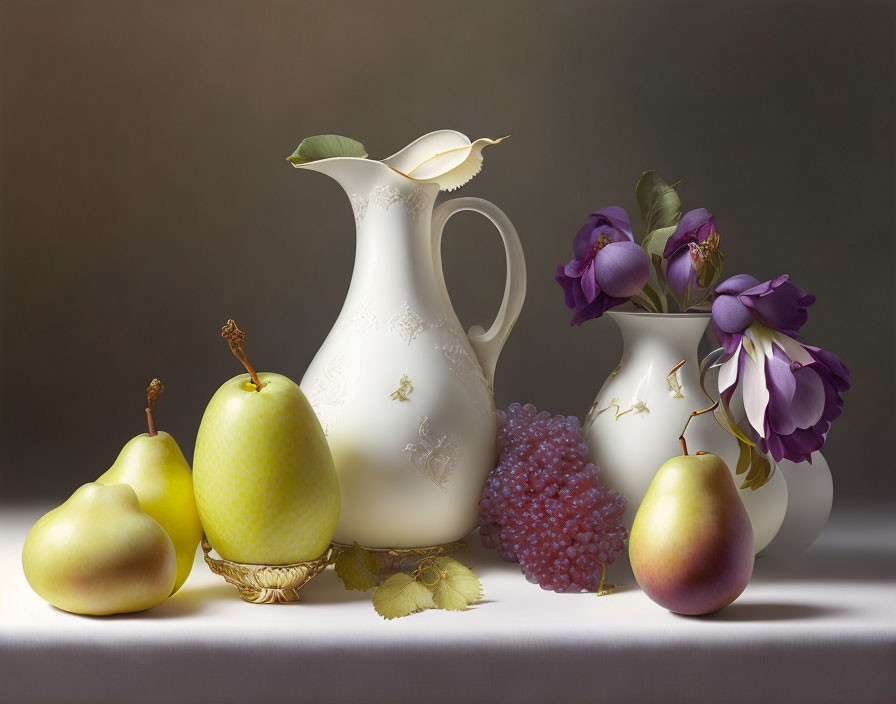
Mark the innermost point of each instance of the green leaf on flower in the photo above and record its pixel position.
(457, 586)
(357, 568)
(655, 241)
(401, 595)
(658, 202)
(326, 146)
(655, 244)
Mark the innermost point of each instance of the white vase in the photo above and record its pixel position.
(403, 393)
(639, 412)
(811, 493)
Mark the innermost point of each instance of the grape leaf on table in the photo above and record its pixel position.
(401, 595)
(457, 588)
(357, 568)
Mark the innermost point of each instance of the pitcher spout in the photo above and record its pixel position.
(444, 158)
(355, 175)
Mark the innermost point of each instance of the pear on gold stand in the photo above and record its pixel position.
(266, 489)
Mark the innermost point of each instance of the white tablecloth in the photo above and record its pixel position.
(821, 629)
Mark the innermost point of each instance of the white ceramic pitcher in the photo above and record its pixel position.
(403, 393)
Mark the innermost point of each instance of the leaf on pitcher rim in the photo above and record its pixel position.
(326, 146)
(401, 595)
(357, 568)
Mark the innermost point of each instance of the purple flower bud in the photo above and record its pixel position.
(621, 269)
(694, 258)
(742, 300)
(778, 304)
(608, 267)
(695, 226)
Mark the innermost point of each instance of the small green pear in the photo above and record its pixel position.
(153, 465)
(99, 553)
(691, 544)
(266, 488)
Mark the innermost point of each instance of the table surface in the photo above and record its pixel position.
(819, 629)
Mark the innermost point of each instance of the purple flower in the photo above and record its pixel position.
(741, 300)
(608, 267)
(791, 391)
(694, 258)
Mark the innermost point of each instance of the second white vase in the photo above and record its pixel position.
(811, 492)
(639, 412)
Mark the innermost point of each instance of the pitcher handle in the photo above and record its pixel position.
(487, 344)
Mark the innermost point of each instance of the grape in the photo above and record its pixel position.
(544, 505)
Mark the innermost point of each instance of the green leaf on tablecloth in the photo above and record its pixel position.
(326, 146)
(357, 568)
(658, 202)
(401, 595)
(457, 586)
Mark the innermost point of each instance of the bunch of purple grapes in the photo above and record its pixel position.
(544, 506)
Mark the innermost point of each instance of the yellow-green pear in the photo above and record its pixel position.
(153, 465)
(266, 488)
(691, 544)
(99, 553)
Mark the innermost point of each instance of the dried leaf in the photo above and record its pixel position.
(326, 146)
(750, 459)
(457, 588)
(357, 568)
(743, 458)
(401, 595)
(760, 471)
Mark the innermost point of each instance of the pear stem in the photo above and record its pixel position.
(236, 338)
(681, 440)
(153, 391)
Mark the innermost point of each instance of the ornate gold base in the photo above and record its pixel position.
(391, 559)
(266, 584)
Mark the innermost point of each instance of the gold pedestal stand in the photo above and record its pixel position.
(266, 584)
(391, 559)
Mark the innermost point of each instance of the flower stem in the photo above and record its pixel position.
(153, 391)
(644, 302)
(236, 339)
(681, 440)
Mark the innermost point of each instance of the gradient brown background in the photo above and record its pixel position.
(145, 198)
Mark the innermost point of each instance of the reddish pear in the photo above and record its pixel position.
(691, 545)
